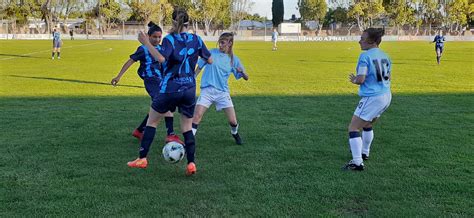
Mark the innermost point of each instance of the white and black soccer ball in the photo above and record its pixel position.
(173, 152)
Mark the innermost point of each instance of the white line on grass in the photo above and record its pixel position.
(49, 50)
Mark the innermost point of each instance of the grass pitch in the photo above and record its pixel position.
(65, 136)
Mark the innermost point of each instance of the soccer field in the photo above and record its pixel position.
(65, 136)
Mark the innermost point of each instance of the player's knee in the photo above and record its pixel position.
(233, 122)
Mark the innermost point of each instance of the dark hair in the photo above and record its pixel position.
(152, 28)
(180, 20)
(375, 35)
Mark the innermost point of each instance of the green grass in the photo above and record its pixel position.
(65, 136)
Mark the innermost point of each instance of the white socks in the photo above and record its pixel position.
(356, 149)
(367, 137)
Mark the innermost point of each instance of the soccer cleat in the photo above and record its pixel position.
(353, 166)
(190, 169)
(52, 58)
(138, 163)
(137, 134)
(365, 157)
(237, 138)
(173, 138)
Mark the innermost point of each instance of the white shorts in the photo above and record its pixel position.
(370, 108)
(211, 95)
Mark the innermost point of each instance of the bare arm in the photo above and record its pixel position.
(244, 75)
(359, 79)
(144, 39)
(122, 71)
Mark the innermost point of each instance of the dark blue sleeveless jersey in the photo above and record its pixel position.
(149, 67)
(439, 40)
(181, 52)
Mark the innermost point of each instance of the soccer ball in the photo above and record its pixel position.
(173, 152)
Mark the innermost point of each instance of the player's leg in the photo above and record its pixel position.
(367, 138)
(138, 132)
(170, 134)
(54, 51)
(203, 103)
(234, 125)
(187, 104)
(355, 142)
(58, 53)
(148, 135)
(199, 112)
(375, 108)
(438, 54)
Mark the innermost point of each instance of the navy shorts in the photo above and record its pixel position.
(185, 101)
(56, 44)
(152, 86)
(440, 48)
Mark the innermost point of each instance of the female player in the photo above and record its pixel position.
(57, 42)
(373, 77)
(439, 40)
(214, 86)
(150, 72)
(274, 39)
(179, 54)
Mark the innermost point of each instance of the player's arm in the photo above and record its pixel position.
(204, 52)
(239, 69)
(144, 39)
(124, 69)
(242, 73)
(362, 70)
(200, 65)
(356, 79)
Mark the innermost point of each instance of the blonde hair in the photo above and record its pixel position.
(230, 38)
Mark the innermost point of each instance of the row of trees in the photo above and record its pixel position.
(211, 14)
(452, 15)
(220, 14)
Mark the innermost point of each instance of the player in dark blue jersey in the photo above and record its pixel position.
(56, 44)
(439, 46)
(150, 72)
(179, 54)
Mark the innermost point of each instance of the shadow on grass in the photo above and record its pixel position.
(68, 158)
(18, 56)
(72, 81)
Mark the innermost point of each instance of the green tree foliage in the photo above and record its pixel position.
(458, 13)
(365, 12)
(278, 11)
(157, 11)
(313, 10)
(400, 12)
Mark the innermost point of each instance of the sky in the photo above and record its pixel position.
(264, 8)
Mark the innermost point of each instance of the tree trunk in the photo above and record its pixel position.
(429, 28)
(47, 16)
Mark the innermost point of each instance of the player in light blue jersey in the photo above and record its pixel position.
(150, 72)
(275, 39)
(214, 85)
(439, 47)
(57, 42)
(373, 77)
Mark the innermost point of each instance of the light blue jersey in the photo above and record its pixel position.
(376, 66)
(56, 36)
(217, 74)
